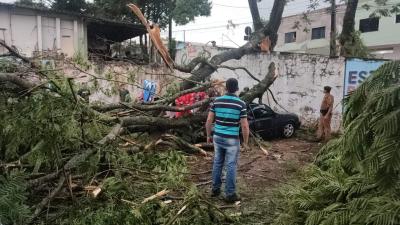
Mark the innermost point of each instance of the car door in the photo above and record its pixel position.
(263, 121)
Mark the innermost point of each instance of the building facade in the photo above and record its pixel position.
(311, 33)
(33, 32)
(40, 31)
(381, 34)
(308, 34)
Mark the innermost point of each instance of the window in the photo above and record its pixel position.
(318, 33)
(369, 25)
(290, 37)
(262, 111)
(398, 18)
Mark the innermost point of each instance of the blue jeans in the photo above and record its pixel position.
(226, 151)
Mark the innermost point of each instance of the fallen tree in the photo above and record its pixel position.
(56, 150)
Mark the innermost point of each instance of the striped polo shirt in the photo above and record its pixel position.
(228, 109)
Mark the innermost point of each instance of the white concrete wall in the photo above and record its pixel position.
(134, 76)
(24, 33)
(299, 87)
(67, 37)
(49, 33)
(32, 31)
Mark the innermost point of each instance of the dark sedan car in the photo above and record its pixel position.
(267, 123)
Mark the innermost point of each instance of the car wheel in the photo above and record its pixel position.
(288, 130)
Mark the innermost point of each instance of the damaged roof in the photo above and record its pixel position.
(97, 27)
(113, 31)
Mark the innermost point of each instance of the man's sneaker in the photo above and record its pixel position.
(215, 193)
(232, 198)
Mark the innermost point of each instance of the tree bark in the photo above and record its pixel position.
(179, 143)
(270, 30)
(110, 107)
(15, 79)
(333, 29)
(170, 36)
(275, 20)
(348, 24)
(164, 123)
(258, 90)
(255, 15)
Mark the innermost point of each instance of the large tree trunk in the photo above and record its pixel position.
(348, 24)
(332, 51)
(270, 30)
(255, 15)
(275, 20)
(164, 123)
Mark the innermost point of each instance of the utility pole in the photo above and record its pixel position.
(333, 29)
(170, 47)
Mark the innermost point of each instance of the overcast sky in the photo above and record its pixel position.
(214, 27)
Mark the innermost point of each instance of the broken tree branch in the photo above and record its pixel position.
(276, 102)
(191, 66)
(33, 65)
(171, 99)
(270, 30)
(79, 158)
(114, 133)
(13, 52)
(15, 79)
(181, 144)
(164, 123)
(259, 89)
(110, 107)
(240, 68)
(46, 200)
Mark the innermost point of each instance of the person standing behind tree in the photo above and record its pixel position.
(228, 112)
(324, 126)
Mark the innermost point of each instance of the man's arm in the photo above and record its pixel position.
(245, 131)
(210, 120)
(330, 106)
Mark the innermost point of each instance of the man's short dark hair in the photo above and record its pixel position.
(232, 85)
(327, 89)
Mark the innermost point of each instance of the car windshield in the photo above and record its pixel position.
(260, 111)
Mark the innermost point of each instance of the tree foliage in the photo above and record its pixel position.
(185, 11)
(31, 3)
(70, 5)
(157, 11)
(356, 177)
(382, 8)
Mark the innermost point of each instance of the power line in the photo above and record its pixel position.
(221, 22)
(204, 28)
(311, 13)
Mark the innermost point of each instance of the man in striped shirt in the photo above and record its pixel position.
(229, 113)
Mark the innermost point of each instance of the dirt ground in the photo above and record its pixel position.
(258, 176)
